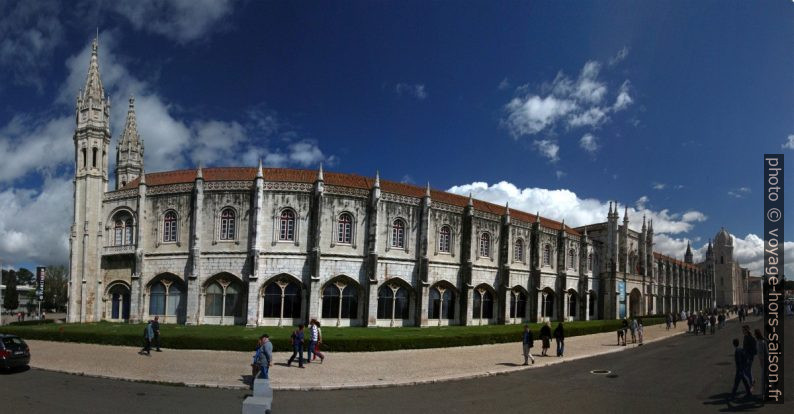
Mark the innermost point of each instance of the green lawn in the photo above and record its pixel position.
(238, 338)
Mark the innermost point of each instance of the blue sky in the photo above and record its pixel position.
(666, 106)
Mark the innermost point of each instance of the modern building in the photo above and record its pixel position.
(274, 246)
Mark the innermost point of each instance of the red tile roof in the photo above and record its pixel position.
(659, 256)
(339, 179)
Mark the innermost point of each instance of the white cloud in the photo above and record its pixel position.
(416, 90)
(504, 84)
(560, 174)
(790, 143)
(740, 192)
(31, 33)
(659, 186)
(180, 20)
(548, 149)
(566, 102)
(589, 143)
(35, 144)
(619, 57)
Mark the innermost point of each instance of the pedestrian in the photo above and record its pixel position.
(689, 323)
(297, 346)
(317, 352)
(740, 358)
(721, 320)
(633, 329)
(156, 329)
(545, 337)
(256, 367)
(750, 349)
(763, 358)
(669, 320)
(313, 337)
(266, 357)
(623, 330)
(639, 330)
(713, 323)
(527, 342)
(675, 319)
(559, 337)
(148, 334)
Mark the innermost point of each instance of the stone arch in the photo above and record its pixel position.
(223, 300)
(483, 303)
(519, 304)
(635, 302)
(443, 303)
(341, 301)
(117, 301)
(396, 300)
(573, 304)
(166, 296)
(282, 300)
(547, 304)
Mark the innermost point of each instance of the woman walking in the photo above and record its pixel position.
(318, 341)
(545, 337)
(639, 330)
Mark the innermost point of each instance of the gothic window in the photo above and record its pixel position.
(546, 255)
(95, 150)
(590, 262)
(344, 233)
(169, 226)
(518, 253)
(85, 158)
(485, 245)
(282, 300)
(548, 303)
(118, 233)
(444, 239)
(392, 303)
(123, 229)
(220, 300)
(166, 297)
(442, 303)
(340, 301)
(398, 234)
(483, 304)
(518, 304)
(128, 231)
(287, 227)
(572, 259)
(227, 224)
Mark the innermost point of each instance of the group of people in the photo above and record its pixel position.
(151, 336)
(545, 338)
(633, 327)
(751, 346)
(263, 356)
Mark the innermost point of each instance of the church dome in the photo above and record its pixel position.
(723, 238)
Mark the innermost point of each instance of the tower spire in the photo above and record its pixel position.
(129, 150)
(320, 173)
(259, 173)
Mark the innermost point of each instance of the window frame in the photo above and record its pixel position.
(445, 237)
(287, 234)
(518, 250)
(170, 233)
(398, 240)
(485, 244)
(345, 235)
(223, 225)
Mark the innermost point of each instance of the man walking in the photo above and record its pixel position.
(148, 334)
(313, 337)
(265, 356)
(559, 337)
(527, 341)
(669, 320)
(297, 346)
(156, 329)
(750, 349)
(740, 358)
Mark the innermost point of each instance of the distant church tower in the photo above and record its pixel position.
(688, 254)
(129, 151)
(91, 142)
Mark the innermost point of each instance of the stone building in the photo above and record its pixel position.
(732, 280)
(274, 246)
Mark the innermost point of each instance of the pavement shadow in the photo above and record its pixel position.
(16, 370)
(746, 403)
(509, 364)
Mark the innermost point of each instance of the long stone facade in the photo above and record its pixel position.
(273, 246)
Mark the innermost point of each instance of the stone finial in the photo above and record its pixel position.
(507, 208)
(320, 173)
(537, 217)
(610, 208)
(377, 179)
(427, 190)
(199, 173)
(259, 173)
(625, 213)
(471, 201)
(562, 225)
(143, 177)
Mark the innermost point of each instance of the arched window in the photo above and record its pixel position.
(518, 304)
(442, 303)
(398, 234)
(546, 255)
(227, 224)
(345, 229)
(174, 300)
(485, 245)
(340, 301)
(213, 300)
(118, 233)
(166, 298)
(444, 239)
(123, 229)
(483, 304)
(392, 302)
(223, 299)
(518, 251)
(282, 300)
(287, 228)
(572, 303)
(590, 262)
(572, 259)
(157, 299)
(120, 302)
(548, 303)
(169, 227)
(85, 158)
(94, 151)
(128, 231)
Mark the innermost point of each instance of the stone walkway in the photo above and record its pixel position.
(229, 369)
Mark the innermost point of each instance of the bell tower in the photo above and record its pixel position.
(129, 151)
(91, 143)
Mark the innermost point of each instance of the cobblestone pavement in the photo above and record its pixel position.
(228, 369)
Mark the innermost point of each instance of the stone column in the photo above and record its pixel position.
(194, 277)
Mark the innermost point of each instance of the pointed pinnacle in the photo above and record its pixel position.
(507, 208)
(143, 177)
(471, 202)
(259, 173)
(427, 190)
(537, 217)
(377, 179)
(610, 208)
(320, 173)
(199, 173)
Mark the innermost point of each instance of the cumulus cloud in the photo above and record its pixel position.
(740, 192)
(790, 143)
(31, 144)
(566, 102)
(589, 143)
(31, 33)
(548, 149)
(415, 90)
(179, 20)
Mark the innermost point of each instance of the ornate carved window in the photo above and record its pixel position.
(444, 239)
(442, 303)
(590, 262)
(123, 229)
(392, 302)
(228, 224)
(169, 226)
(572, 259)
(282, 300)
(287, 226)
(485, 245)
(546, 255)
(344, 234)
(398, 234)
(518, 250)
